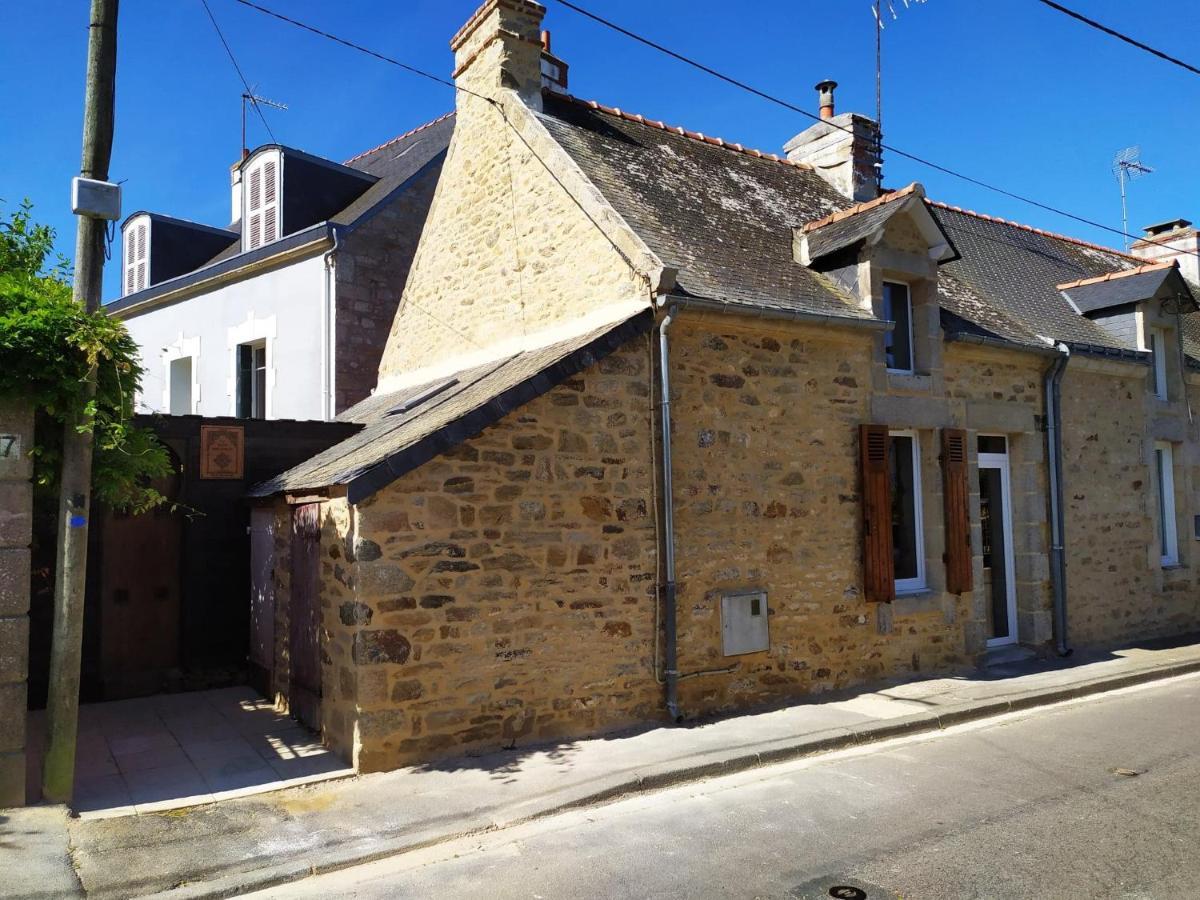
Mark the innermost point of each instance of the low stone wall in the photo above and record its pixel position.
(16, 529)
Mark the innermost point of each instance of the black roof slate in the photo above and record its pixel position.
(1098, 295)
(722, 218)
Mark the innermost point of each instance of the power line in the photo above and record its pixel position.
(238, 69)
(714, 73)
(361, 49)
(804, 112)
(1111, 32)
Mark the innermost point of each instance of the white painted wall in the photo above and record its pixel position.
(283, 306)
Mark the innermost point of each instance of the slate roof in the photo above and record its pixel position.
(1005, 281)
(1120, 288)
(392, 163)
(722, 216)
(437, 415)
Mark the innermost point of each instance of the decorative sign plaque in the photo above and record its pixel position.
(221, 451)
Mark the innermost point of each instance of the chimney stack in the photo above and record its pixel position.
(554, 70)
(843, 149)
(825, 91)
(500, 47)
(1175, 240)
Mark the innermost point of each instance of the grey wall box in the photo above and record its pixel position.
(744, 623)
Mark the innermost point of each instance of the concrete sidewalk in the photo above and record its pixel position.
(234, 846)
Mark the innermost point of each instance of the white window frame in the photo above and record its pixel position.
(912, 350)
(181, 347)
(1158, 361)
(135, 274)
(251, 331)
(1164, 481)
(919, 583)
(264, 171)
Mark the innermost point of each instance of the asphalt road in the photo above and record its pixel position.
(1040, 804)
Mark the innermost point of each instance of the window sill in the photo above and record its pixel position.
(909, 381)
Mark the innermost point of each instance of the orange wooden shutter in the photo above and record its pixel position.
(958, 556)
(879, 567)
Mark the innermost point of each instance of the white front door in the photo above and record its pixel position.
(999, 581)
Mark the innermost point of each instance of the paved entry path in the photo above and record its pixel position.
(174, 750)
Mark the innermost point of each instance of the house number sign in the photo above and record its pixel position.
(10, 447)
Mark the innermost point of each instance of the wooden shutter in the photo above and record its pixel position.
(254, 219)
(141, 255)
(879, 566)
(130, 265)
(958, 557)
(270, 208)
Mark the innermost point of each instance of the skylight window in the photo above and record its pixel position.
(421, 398)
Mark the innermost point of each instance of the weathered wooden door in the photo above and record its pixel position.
(305, 615)
(262, 599)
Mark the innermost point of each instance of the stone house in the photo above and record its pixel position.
(284, 313)
(668, 427)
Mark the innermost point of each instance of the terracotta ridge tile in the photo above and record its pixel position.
(676, 129)
(1099, 279)
(400, 137)
(1050, 234)
(840, 214)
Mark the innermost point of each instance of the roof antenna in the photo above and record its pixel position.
(256, 100)
(877, 12)
(1127, 166)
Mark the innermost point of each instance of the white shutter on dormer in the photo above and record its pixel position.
(253, 208)
(142, 262)
(270, 202)
(130, 252)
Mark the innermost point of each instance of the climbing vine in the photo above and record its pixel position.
(48, 345)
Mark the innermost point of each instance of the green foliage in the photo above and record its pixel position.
(48, 345)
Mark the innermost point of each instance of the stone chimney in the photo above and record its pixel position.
(1174, 240)
(843, 149)
(554, 70)
(500, 47)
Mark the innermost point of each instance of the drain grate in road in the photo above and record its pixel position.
(840, 887)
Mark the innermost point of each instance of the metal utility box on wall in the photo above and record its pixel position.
(744, 623)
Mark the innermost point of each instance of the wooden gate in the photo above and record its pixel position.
(305, 615)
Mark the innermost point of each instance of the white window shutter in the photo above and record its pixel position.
(270, 202)
(141, 256)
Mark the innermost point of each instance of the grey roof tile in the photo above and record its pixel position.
(723, 218)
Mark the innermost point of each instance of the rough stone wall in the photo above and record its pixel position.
(372, 266)
(281, 570)
(1117, 585)
(505, 251)
(503, 592)
(16, 530)
(767, 498)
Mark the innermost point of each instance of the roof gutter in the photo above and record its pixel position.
(761, 311)
(291, 247)
(983, 340)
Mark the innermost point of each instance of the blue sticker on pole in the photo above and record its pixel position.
(78, 521)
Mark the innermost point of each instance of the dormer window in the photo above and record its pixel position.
(898, 343)
(260, 222)
(136, 239)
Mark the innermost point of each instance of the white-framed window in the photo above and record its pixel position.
(1157, 341)
(260, 186)
(252, 380)
(898, 343)
(179, 378)
(137, 254)
(908, 530)
(1164, 479)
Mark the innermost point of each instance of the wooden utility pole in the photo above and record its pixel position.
(62, 707)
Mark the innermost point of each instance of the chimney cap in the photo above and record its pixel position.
(827, 85)
(1164, 227)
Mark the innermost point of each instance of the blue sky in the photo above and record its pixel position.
(1007, 91)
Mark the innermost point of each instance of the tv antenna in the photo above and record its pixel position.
(257, 101)
(1127, 166)
(877, 10)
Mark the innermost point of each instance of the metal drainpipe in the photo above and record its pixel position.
(670, 650)
(1058, 566)
(327, 335)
